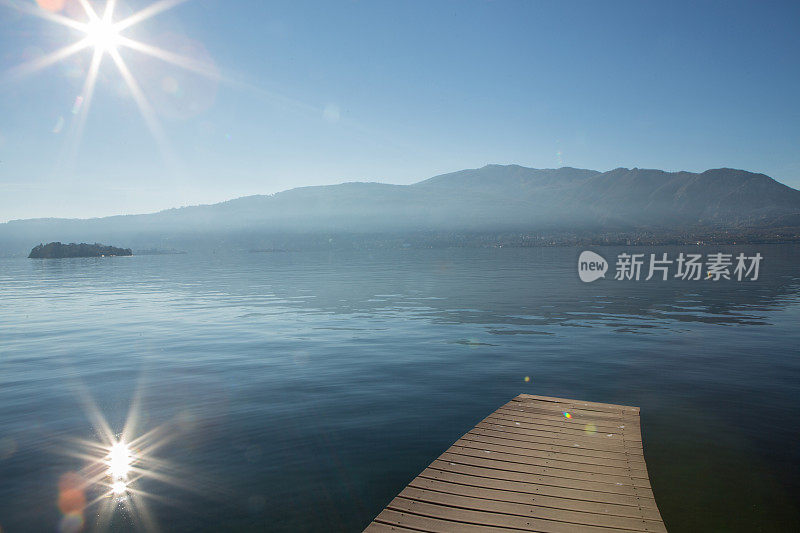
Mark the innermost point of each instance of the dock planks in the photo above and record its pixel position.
(538, 463)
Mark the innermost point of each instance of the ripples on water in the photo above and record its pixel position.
(305, 389)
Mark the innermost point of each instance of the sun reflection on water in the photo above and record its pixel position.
(119, 461)
(115, 463)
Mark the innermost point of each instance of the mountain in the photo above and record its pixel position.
(495, 199)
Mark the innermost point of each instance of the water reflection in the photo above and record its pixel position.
(108, 489)
(302, 391)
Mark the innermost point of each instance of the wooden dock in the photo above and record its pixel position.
(536, 464)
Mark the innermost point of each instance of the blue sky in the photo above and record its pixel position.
(324, 92)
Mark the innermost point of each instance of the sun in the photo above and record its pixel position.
(103, 35)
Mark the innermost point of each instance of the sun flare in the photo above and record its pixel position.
(119, 461)
(115, 465)
(103, 35)
(119, 487)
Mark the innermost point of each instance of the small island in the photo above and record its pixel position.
(55, 250)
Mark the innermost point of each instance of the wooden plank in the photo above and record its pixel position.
(608, 439)
(439, 470)
(562, 422)
(577, 425)
(610, 424)
(487, 469)
(599, 442)
(378, 527)
(528, 510)
(543, 415)
(433, 525)
(575, 409)
(578, 455)
(538, 463)
(596, 416)
(510, 491)
(489, 519)
(537, 474)
(567, 428)
(518, 463)
(562, 461)
(524, 398)
(544, 443)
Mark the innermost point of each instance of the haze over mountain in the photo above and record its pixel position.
(489, 200)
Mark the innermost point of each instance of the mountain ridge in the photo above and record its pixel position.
(493, 198)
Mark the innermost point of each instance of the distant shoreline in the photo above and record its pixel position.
(435, 240)
(159, 252)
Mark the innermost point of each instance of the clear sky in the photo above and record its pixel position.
(301, 93)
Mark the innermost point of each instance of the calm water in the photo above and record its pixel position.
(302, 391)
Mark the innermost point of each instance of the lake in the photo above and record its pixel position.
(301, 391)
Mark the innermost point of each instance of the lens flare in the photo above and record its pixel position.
(119, 461)
(71, 494)
(567, 415)
(71, 523)
(115, 465)
(119, 487)
(76, 107)
(51, 5)
(102, 34)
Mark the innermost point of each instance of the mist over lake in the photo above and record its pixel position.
(303, 390)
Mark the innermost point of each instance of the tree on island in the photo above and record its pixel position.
(57, 250)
